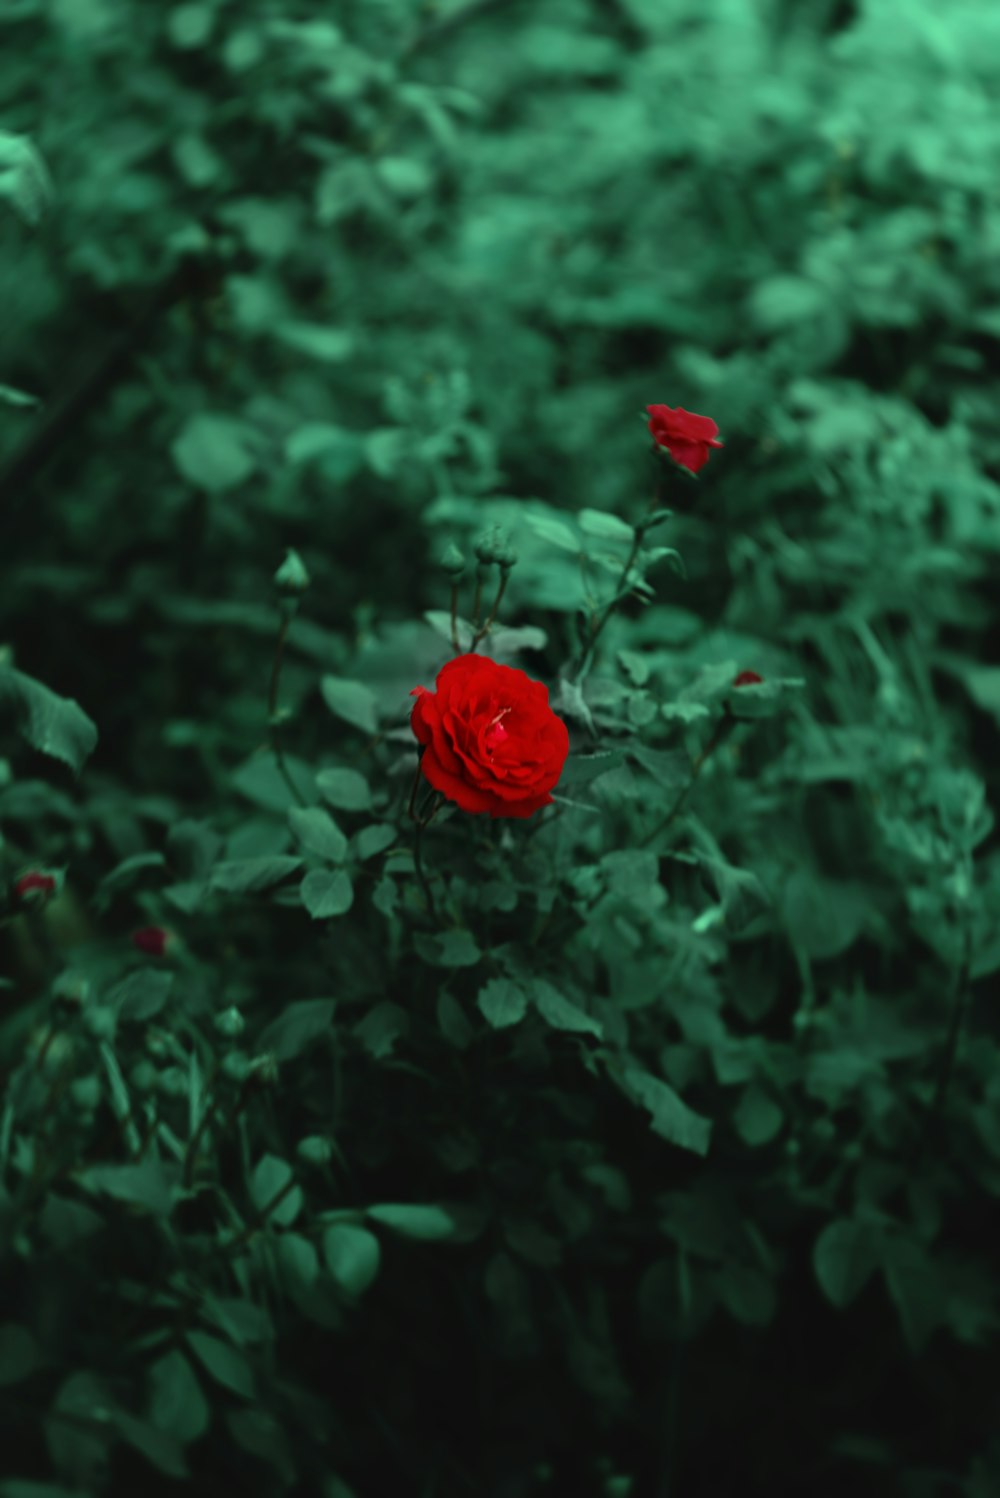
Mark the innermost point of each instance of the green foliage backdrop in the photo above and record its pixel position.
(647, 1147)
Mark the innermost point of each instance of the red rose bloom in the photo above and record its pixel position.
(152, 940)
(686, 436)
(43, 885)
(491, 741)
(747, 679)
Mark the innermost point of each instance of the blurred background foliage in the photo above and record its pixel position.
(360, 280)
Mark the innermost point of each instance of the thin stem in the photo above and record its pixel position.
(476, 602)
(482, 633)
(419, 867)
(724, 726)
(454, 615)
(958, 1008)
(413, 792)
(273, 716)
(621, 591)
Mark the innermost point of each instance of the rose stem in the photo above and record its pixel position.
(423, 822)
(413, 792)
(725, 725)
(621, 591)
(951, 1046)
(493, 612)
(272, 705)
(454, 616)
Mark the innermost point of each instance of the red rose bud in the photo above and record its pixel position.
(491, 741)
(35, 884)
(152, 940)
(686, 436)
(747, 679)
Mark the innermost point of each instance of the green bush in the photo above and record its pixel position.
(355, 1143)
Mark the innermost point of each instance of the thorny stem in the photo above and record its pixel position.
(273, 716)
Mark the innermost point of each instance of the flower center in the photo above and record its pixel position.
(495, 732)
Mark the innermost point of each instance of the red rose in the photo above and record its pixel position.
(44, 885)
(491, 741)
(152, 940)
(687, 437)
(747, 679)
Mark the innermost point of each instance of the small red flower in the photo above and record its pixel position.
(748, 679)
(686, 436)
(35, 882)
(152, 940)
(491, 741)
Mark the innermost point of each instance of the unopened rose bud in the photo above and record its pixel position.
(453, 562)
(489, 546)
(35, 888)
(507, 558)
(153, 940)
(747, 679)
(291, 578)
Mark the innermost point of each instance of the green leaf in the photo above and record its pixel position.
(757, 1118)
(917, 1288)
(581, 768)
(429, 1224)
(556, 532)
(53, 725)
(369, 841)
(176, 1404)
(381, 1027)
(845, 1255)
(190, 26)
(560, 1013)
(328, 345)
(142, 1185)
(353, 1256)
(327, 893)
(241, 876)
(747, 1293)
(270, 1175)
(453, 948)
(672, 1119)
(352, 701)
(64, 1222)
(337, 447)
(24, 178)
(212, 452)
(227, 1366)
(604, 526)
(141, 995)
(453, 1022)
(11, 397)
(297, 1027)
(346, 789)
(260, 779)
(502, 1003)
(20, 1354)
(824, 916)
(317, 832)
(159, 1449)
